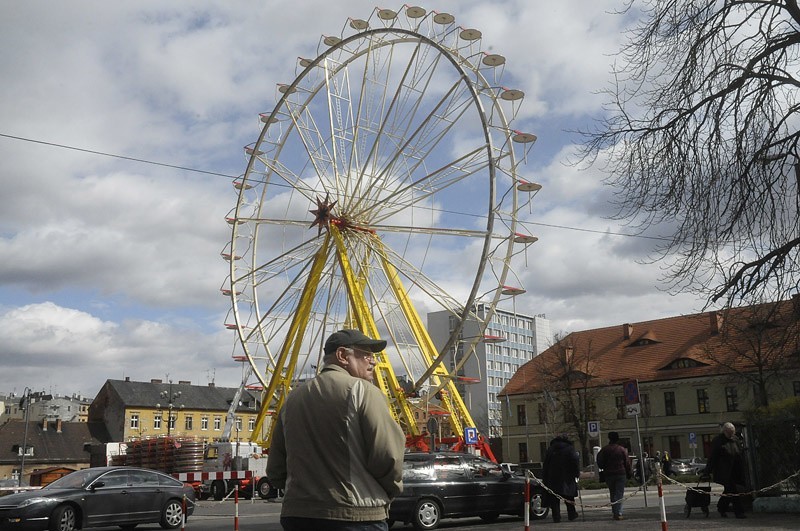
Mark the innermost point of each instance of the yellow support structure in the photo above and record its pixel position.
(279, 383)
(451, 399)
(364, 320)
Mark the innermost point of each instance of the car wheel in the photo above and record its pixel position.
(538, 509)
(64, 518)
(427, 515)
(491, 517)
(218, 490)
(172, 515)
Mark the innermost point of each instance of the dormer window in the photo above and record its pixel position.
(683, 363)
(648, 338)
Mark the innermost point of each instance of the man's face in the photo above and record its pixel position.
(360, 363)
(729, 432)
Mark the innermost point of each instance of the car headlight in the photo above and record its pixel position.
(32, 501)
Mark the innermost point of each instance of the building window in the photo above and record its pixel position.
(523, 452)
(542, 449)
(172, 421)
(217, 423)
(647, 445)
(674, 446)
(591, 408)
(731, 399)
(251, 424)
(204, 422)
(157, 421)
(188, 423)
(707, 440)
(702, 401)
(542, 413)
(796, 388)
(619, 401)
(238, 424)
(669, 403)
(522, 418)
(135, 421)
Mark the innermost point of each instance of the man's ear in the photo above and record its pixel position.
(341, 356)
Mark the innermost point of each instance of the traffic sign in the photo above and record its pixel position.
(471, 435)
(593, 427)
(692, 437)
(630, 391)
(633, 410)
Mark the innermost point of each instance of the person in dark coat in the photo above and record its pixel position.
(613, 461)
(726, 464)
(561, 469)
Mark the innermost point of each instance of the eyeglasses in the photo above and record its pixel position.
(367, 355)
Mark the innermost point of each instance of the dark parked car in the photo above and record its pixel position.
(452, 485)
(103, 496)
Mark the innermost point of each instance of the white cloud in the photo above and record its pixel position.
(111, 267)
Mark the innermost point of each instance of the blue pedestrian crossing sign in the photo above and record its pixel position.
(471, 435)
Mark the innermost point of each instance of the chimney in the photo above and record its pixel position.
(211, 384)
(127, 378)
(184, 382)
(58, 425)
(627, 331)
(715, 320)
(155, 380)
(44, 425)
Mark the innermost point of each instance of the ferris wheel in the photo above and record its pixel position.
(383, 186)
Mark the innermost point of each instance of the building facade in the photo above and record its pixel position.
(679, 378)
(509, 340)
(132, 410)
(52, 407)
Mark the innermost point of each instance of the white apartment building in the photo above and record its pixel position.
(511, 340)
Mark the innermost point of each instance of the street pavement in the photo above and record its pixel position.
(595, 515)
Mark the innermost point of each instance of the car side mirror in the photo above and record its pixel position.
(96, 485)
(507, 474)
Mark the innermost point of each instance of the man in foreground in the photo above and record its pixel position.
(336, 450)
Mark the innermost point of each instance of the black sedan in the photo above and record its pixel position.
(103, 496)
(453, 485)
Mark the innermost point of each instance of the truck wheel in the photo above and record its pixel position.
(264, 489)
(218, 490)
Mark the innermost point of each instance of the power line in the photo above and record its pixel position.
(117, 156)
(218, 174)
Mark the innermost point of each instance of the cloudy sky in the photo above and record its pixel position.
(111, 265)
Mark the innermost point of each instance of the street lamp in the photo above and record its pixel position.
(26, 400)
(171, 397)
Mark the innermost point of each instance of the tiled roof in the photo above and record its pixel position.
(705, 344)
(50, 446)
(195, 397)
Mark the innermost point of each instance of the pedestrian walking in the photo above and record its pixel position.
(616, 469)
(560, 470)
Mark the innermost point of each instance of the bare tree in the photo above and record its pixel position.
(571, 388)
(758, 345)
(701, 137)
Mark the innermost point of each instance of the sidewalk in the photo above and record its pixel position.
(596, 514)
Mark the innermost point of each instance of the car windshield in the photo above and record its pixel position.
(74, 480)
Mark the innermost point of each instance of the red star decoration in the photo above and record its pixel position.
(322, 214)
